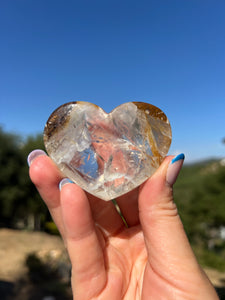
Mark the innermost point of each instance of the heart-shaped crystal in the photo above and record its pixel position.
(107, 155)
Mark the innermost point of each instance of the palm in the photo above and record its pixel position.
(126, 260)
(123, 251)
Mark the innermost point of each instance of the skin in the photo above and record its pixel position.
(152, 259)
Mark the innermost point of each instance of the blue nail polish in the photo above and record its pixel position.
(174, 169)
(178, 157)
(63, 182)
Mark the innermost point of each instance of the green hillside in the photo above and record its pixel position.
(200, 197)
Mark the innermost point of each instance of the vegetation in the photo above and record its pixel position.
(199, 195)
(20, 204)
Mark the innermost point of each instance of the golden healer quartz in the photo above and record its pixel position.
(107, 155)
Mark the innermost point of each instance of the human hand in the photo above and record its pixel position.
(151, 259)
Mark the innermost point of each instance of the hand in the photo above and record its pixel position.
(152, 259)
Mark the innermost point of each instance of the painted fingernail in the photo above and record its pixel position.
(174, 169)
(34, 154)
(63, 182)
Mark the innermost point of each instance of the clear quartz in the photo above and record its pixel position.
(107, 155)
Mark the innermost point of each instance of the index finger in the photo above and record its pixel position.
(46, 177)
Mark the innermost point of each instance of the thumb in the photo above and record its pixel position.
(165, 238)
(172, 267)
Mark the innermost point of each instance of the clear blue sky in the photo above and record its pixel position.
(165, 52)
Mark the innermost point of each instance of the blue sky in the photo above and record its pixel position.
(168, 53)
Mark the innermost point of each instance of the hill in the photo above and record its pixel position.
(200, 197)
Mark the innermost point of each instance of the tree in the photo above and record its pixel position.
(11, 163)
(35, 207)
(19, 200)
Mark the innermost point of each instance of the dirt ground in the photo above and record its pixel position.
(15, 246)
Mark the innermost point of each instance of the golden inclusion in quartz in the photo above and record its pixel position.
(107, 155)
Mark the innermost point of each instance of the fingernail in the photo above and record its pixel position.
(34, 154)
(174, 169)
(63, 182)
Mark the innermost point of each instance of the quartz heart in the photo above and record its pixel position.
(107, 155)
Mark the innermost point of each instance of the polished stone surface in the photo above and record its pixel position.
(107, 155)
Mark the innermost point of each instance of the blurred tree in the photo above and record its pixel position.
(200, 197)
(210, 205)
(11, 162)
(19, 200)
(35, 207)
(31, 143)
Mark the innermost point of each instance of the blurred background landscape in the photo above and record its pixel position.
(33, 261)
(167, 53)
